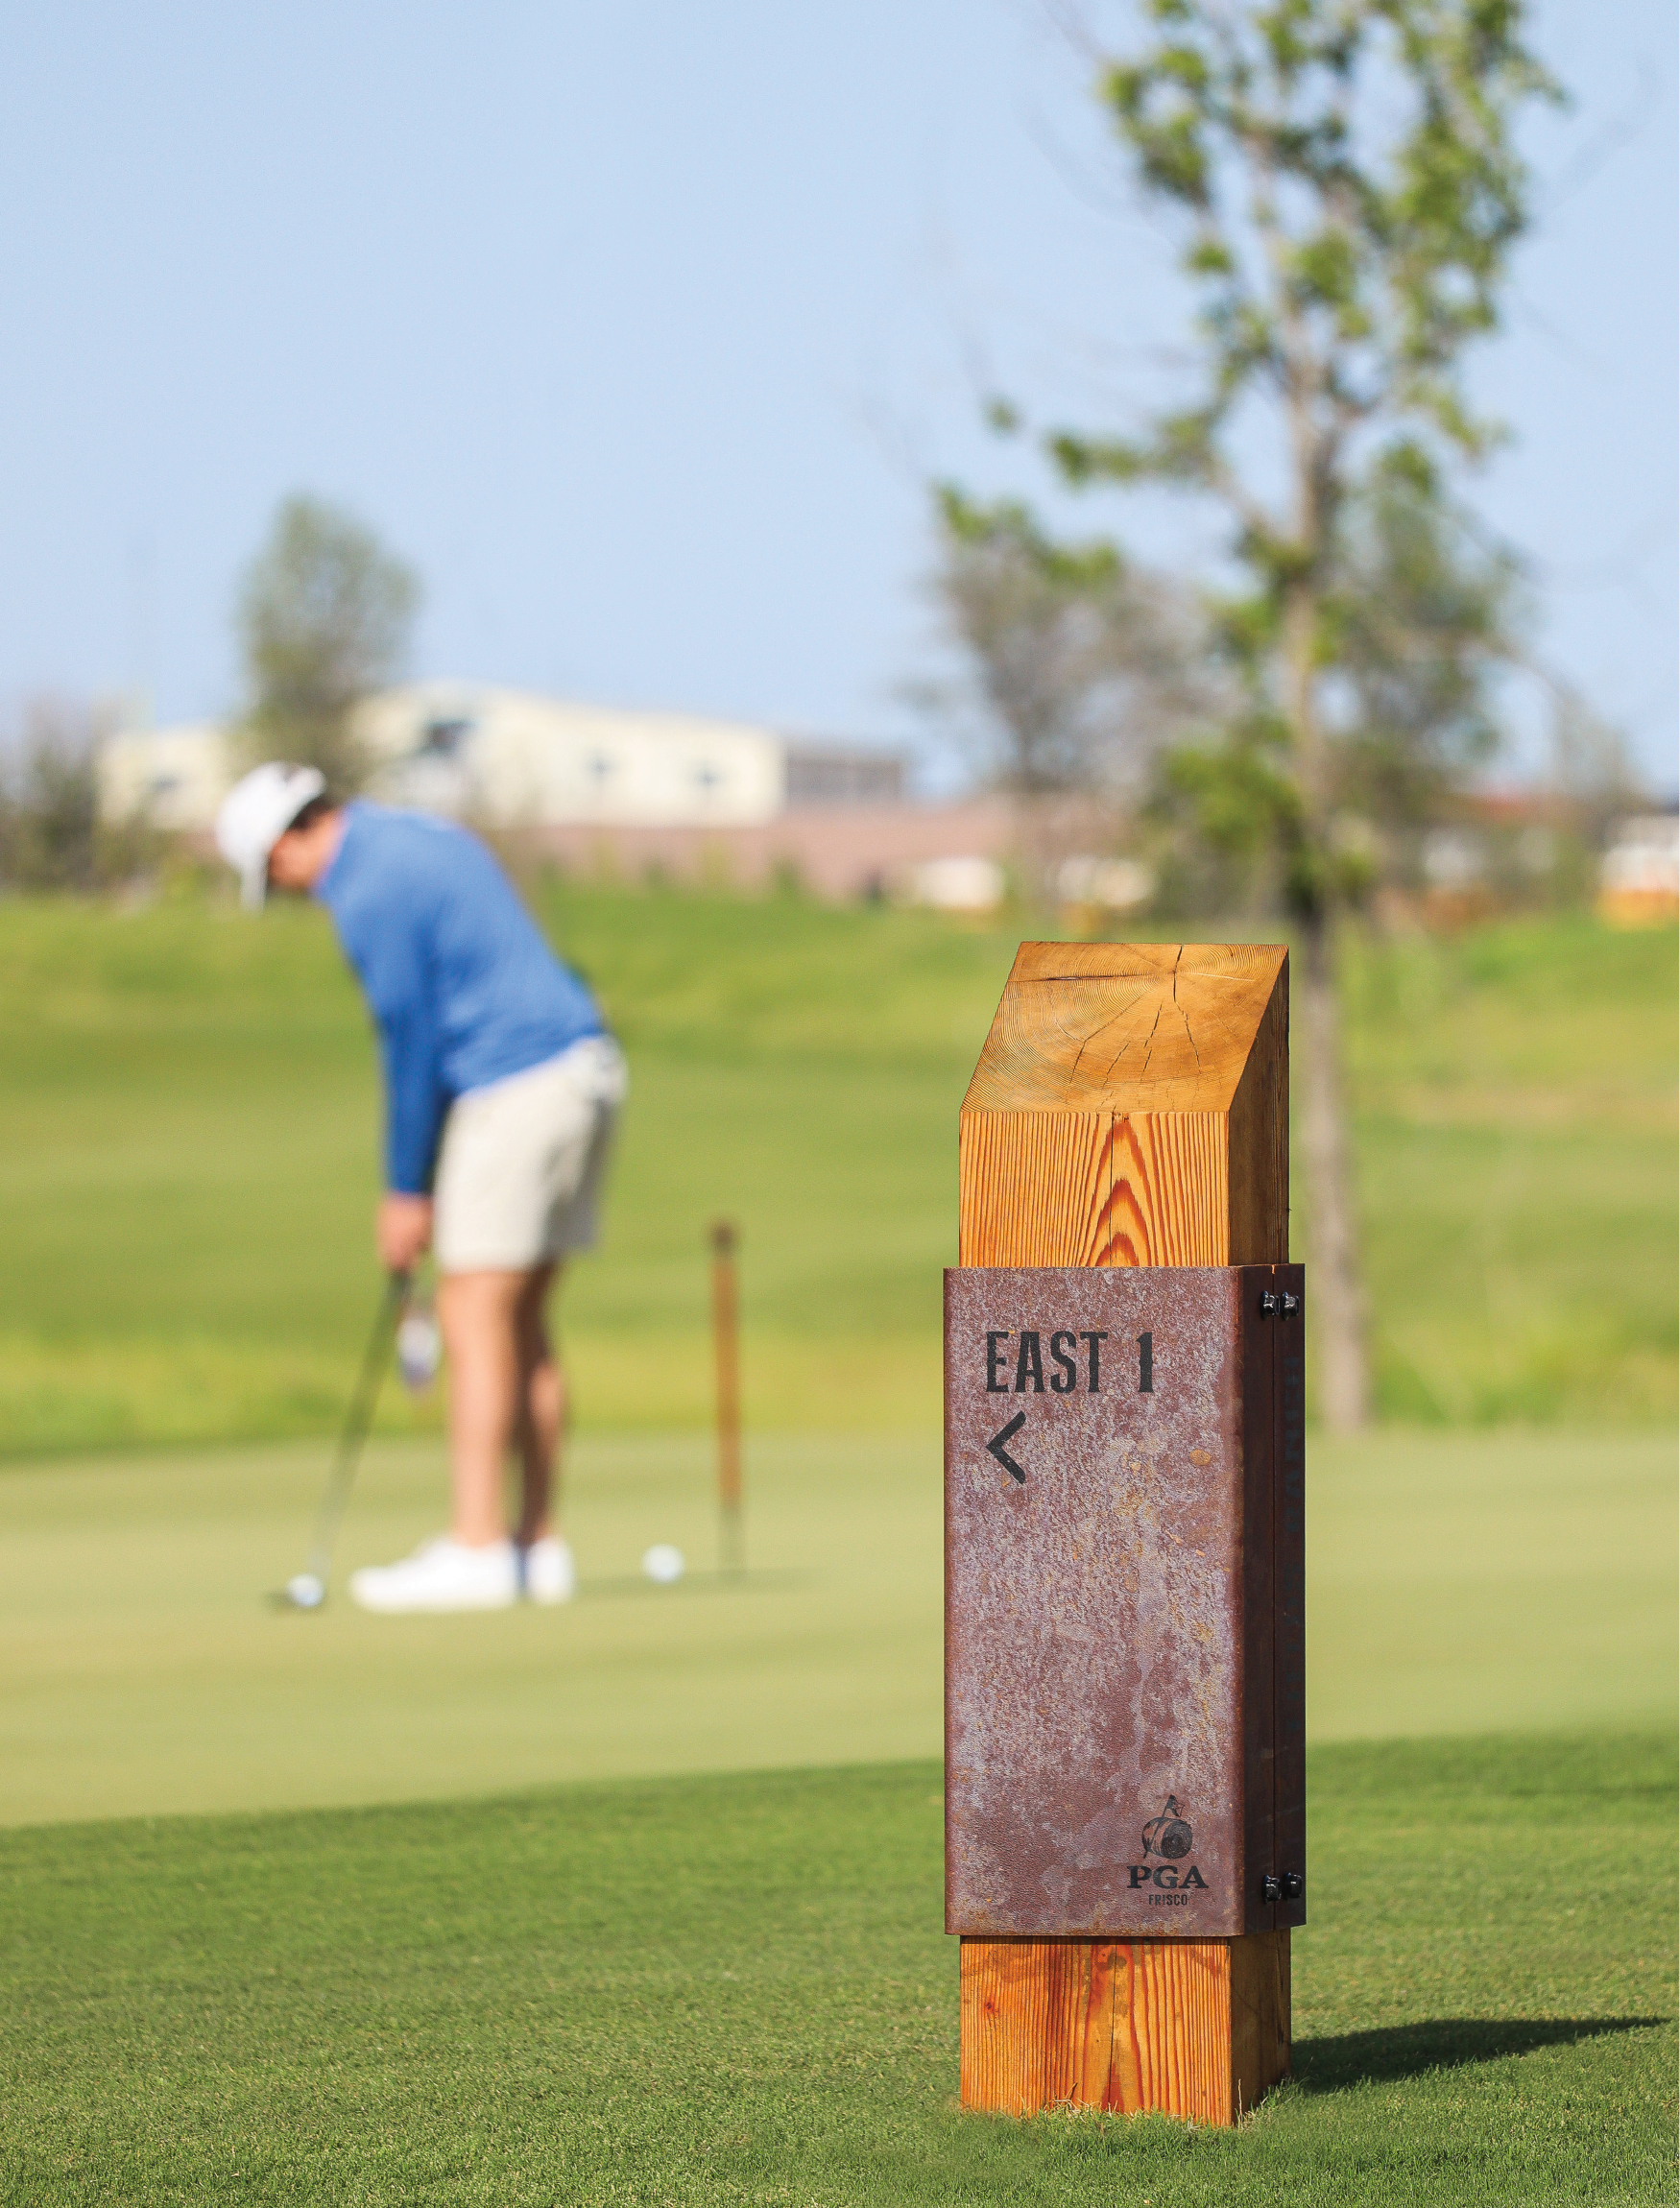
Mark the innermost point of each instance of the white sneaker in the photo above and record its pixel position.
(550, 1574)
(442, 1576)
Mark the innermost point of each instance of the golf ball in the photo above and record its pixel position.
(663, 1563)
(306, 1591)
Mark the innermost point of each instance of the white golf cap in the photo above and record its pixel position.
(255, 813)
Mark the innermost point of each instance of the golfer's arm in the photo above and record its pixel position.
(403, 997)
(414, 1109)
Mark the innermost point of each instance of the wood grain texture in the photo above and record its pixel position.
(1121, 1027)
(1087, 1188)
(1259, 1141)
(1130, 1107)
(1120, 2025)
(1033, 1188)
(1259, 2016)
(1168, 1191)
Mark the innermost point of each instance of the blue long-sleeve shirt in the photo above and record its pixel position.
(462, 986)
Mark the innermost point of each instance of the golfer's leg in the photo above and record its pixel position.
(479, 1313)
(541, 1407)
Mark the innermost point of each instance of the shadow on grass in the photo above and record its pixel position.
(1441, 2043)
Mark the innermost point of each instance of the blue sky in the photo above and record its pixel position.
(641, 330)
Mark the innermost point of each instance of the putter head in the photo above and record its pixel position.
(304, 1591)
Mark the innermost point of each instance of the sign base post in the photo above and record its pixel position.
(1130, 1109)
(1197, 2029)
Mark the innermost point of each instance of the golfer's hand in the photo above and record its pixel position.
(403, 1230)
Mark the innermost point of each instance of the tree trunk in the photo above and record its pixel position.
(1334, 1281)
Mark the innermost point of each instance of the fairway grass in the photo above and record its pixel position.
(189, 1140)
(1456, 1583)
(736, 1990)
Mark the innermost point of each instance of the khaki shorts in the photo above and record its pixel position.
(519, 1173)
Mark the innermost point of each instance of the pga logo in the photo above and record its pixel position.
(1170, 1838)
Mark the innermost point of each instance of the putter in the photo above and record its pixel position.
(306, 1589)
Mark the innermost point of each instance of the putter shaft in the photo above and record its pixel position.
(357, 1420)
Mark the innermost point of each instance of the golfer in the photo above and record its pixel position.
(501, 1088)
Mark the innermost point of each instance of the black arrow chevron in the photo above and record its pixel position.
(995, 1447)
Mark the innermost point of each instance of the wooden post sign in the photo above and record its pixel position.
(1124, 1678)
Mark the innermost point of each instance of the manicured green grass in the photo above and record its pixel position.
(188, 1144)
(732, 1988)
(736, 1990)
(1456, 1583)
(1474, 1582)
(1513, 1099)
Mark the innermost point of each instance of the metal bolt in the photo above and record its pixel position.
(1270, 1305)
(1271, 1887)
(1294, 1885)
(1290, 1305)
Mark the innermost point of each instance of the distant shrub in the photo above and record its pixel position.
(51, 835)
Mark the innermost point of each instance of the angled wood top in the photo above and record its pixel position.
(1126, 1027)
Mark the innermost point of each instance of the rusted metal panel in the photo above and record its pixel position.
(1289, 1595)
(1115, 1537)
(1258, 1688)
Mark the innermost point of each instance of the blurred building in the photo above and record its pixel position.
(604, 789)
(1638, 878)
(512, 760)
(170, 779)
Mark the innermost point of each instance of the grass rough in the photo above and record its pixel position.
(188, 1162)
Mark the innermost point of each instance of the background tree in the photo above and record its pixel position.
(1349, 191)
(1593, 783)
(1419, 618)
(50, 837)
(324, 614)
(1087, 666)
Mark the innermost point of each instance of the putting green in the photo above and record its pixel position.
(1467, 1583)
(1455, 1584)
